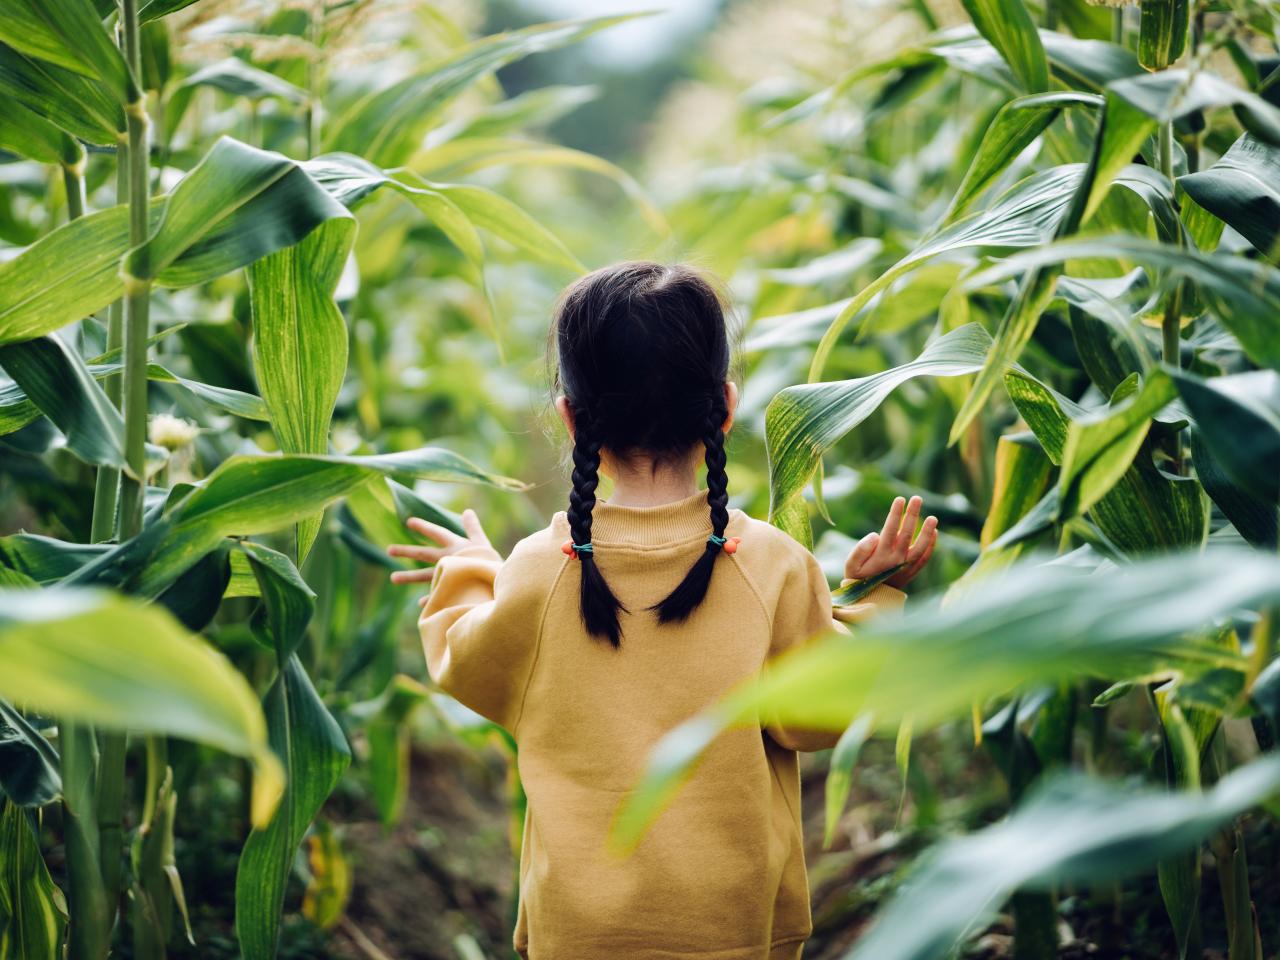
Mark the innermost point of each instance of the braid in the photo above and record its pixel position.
(684, 599)
(597, 602)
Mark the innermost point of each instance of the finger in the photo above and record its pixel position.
(413, 576)
(411, 551)
(908, 528)
(471, 524)
(861, 552)
(893, 521)
(928, 532)
(441, 535)
(918, 564)
(422, 600)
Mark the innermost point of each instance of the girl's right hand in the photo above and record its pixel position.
(449, 542)
(892, 547)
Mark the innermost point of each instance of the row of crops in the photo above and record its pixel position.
(1028, 262)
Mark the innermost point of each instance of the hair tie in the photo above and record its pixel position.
(727, 544)
(572, 549)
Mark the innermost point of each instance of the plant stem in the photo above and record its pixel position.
(137, 293)
(107, 487)
(89, 931)
(1117, 25)
(1171, 324)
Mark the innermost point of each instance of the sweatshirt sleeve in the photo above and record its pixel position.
(804, 613)
(479, 630)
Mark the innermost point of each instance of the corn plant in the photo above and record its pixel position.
(1098, 259)
(192, 528)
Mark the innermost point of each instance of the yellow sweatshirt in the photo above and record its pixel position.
(720, 875)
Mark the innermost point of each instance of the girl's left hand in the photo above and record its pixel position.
(893, 546)
(449, 542)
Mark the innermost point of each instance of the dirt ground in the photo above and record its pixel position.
(447, 871)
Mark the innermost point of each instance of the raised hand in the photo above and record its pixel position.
(893, 547)
(449, 542)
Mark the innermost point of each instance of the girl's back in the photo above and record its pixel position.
(606, 630)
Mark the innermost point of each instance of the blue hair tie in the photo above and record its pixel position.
(718, 541)
(584, 547)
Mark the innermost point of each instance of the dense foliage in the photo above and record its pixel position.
(266, 294)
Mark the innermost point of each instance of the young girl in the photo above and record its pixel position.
(627, 616)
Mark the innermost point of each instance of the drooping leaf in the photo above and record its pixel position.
(68, 34)
(1244, 294)
(1100, 448)
(1254, 518)
(1162, 32)
(300, 342)
(388, 124)
(803, 422)
(1071, 829)
(1028, 626)
(99, 658)
(76, 104)
(1146, 510)
(237, 205)
(1173, 94)
(241, 79)
(1009, 28)
(1015, 127)
(29, 774)
(1239, 420)
(1243, 190)
(312, 746)
(58, 383)
(33, 912)
(840, 773)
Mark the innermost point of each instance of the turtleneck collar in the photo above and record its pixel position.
(671, 522)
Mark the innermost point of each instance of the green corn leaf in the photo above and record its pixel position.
(1162, 32)
(1071, 829)
(28, 134)
(58, 383)
(149, 10)
(1243, 189)
(1008, 26)
(389, 742)
(499, 216)
(300, 342)
(241, 79)
(17, 410)
(287, 601)
(237, 205)
(1146, 510)
(476, 153)
(1020, 479)
(1239, 421)
(1254, 518)
(45, 559)
(1015, 127)
(840, 773)
(33, 912)
(249, 495)
(1242, 293)
(1100, 448)
(29, 774)
(803, 422)
(67, 34)
(312, 746)
(76, 104)
(96, 657)
(351, 179)
(1174, 94)
(389, 124)
(1026, 627)
(1024, 216)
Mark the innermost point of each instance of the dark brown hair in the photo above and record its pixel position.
(642, 355)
